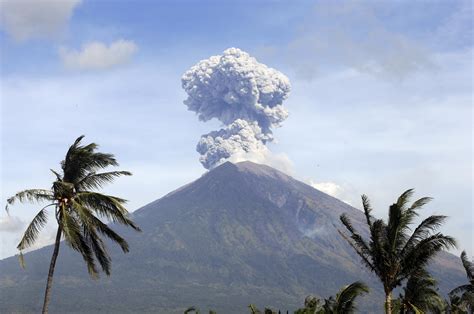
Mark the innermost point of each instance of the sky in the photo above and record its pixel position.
(381, 96)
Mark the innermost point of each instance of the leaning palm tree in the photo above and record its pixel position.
(391, 252)
(420, 295)
(78, 209)
(465, 292)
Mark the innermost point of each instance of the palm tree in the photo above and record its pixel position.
(465, 293)
(391, 252)
(78, 207)
(343, 303)
(420, 295)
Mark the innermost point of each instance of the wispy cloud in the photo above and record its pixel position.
(352, 34)
(97, 55)
(26, 19)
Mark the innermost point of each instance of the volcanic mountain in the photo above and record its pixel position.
(242, 233)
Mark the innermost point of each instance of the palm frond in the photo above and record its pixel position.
(75, 239)
(468, 265)
(461, 289)
(191, 309)
(418, 256)
(424, 230)
(30, 195)
(346, 297)
(81, 160)
(89, 219)
(98, 180)
(33, 229)
(421, 293)
(98, 248)
(356, 241)
(411, 213)
(365, 258)
(404, 198)
(420, 203)
(367, 209)
(107, 206)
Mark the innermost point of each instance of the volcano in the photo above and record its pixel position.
(242, 233)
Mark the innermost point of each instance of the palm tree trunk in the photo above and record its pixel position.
(47, 293)
(388, 302)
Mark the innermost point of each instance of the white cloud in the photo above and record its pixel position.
(330, 188)
(97, 55)
(25, 19)
(11, 224)
(335, 190)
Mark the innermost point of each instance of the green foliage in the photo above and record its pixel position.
(391, 252)
(343, 303)
(462, 297)
(311, 306)
(79, 207)
(193, 309)
(255, 310)
(419, 295)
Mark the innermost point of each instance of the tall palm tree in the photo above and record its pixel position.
(343, 303)
(420, 295)
(391, 252)
(78, 209)
(465, 292)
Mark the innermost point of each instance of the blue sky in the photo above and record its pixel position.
(381, 96)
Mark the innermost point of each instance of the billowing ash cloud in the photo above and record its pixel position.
(245, 95)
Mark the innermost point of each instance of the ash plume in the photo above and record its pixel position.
(245, 95)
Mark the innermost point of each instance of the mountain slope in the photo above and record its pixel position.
(242, 233)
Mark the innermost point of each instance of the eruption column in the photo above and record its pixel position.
(245, 95)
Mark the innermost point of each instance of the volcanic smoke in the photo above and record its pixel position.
(245, 95)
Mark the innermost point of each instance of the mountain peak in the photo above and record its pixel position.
(249, 167)
(241, 233)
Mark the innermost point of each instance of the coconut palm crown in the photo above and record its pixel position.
(78, 209)
(391, 252)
